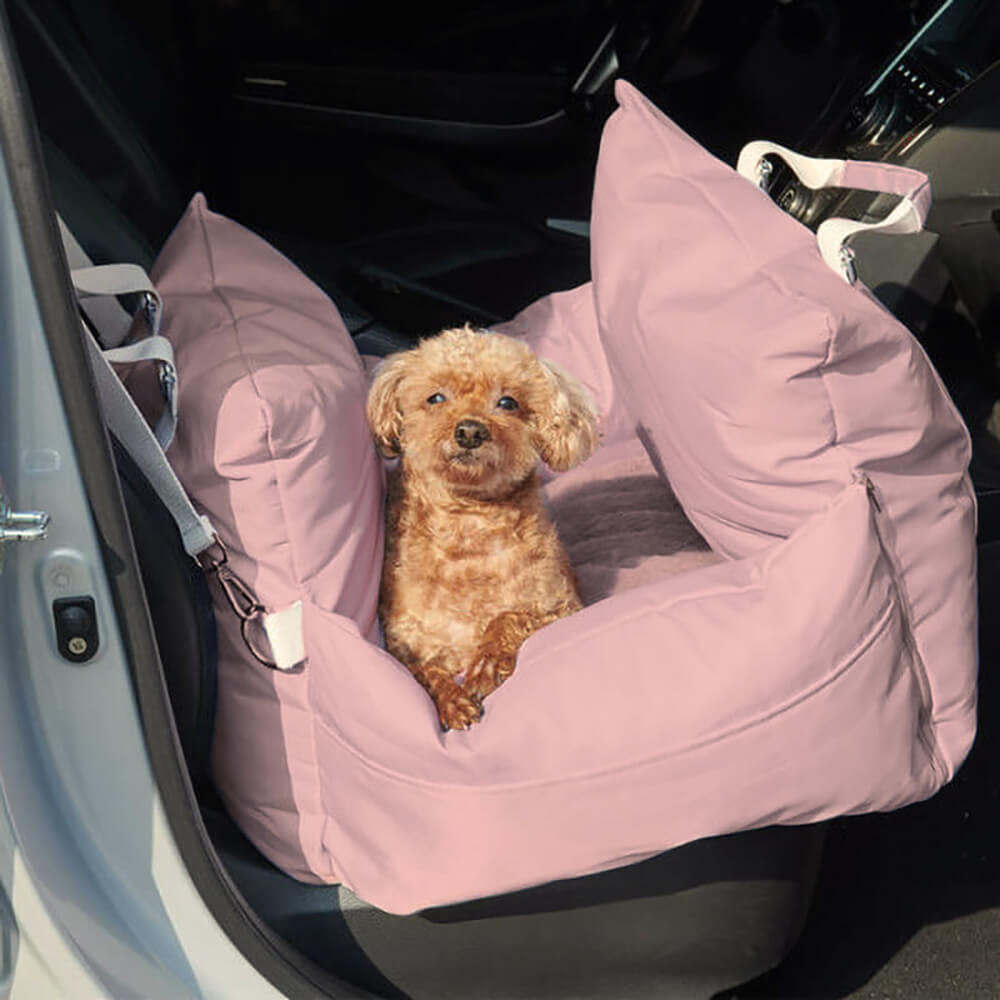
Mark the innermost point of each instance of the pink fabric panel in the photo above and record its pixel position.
(272, 445)
(562, 327)
(271, 417)
(656, 717)
(621, 524)
(762, 383)
(264, 758)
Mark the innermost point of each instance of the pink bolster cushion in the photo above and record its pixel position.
(761, 382)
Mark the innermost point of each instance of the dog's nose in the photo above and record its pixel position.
(471, 433)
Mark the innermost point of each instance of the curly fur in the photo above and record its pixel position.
(473, 564)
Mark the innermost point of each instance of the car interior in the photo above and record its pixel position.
(431, 165)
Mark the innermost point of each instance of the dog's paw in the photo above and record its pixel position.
(489, 670)
(458, 710)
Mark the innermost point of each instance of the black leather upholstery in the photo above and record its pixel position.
(181, 610)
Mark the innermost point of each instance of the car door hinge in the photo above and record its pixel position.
(20, 526)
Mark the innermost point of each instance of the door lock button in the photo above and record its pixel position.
(76, 628)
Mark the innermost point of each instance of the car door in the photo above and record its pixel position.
(98, 893)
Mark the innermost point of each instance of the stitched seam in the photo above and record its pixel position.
(217, 291)
(232, 317)
(317, 798)
(927, 731)
(842, 450)
(927, 693)
(892, 607)
(234, 323)
(918, 666)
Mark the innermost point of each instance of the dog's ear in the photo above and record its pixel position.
(385, 417)
(567, 423)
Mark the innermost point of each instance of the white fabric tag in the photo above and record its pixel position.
(284, 633)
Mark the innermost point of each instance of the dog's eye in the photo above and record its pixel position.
(438, 397)
(507, 403)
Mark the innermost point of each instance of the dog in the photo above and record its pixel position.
(473, 565)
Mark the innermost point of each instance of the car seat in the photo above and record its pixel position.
(688, 922)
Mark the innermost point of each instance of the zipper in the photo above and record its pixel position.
(924, 726)
(872, 496)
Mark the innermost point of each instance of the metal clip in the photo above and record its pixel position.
(847, 265)
(765, 170)
(168, 381)
(241, 599)
(151, 311)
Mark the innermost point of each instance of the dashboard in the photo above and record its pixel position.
(949, 45)
(952, 43)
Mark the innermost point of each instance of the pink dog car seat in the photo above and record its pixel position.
(808, 651)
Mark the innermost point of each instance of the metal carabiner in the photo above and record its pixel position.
(241, 599)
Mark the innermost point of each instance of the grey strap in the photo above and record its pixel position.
(130, 427)
(160, 350)
(99, 287)
(157, 349)
(112, 280)
(104, 311)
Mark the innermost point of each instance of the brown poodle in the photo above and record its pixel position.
(473, 565)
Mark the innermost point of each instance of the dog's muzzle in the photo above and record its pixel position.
(471, 433)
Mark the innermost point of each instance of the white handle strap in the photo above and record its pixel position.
(913, 187)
